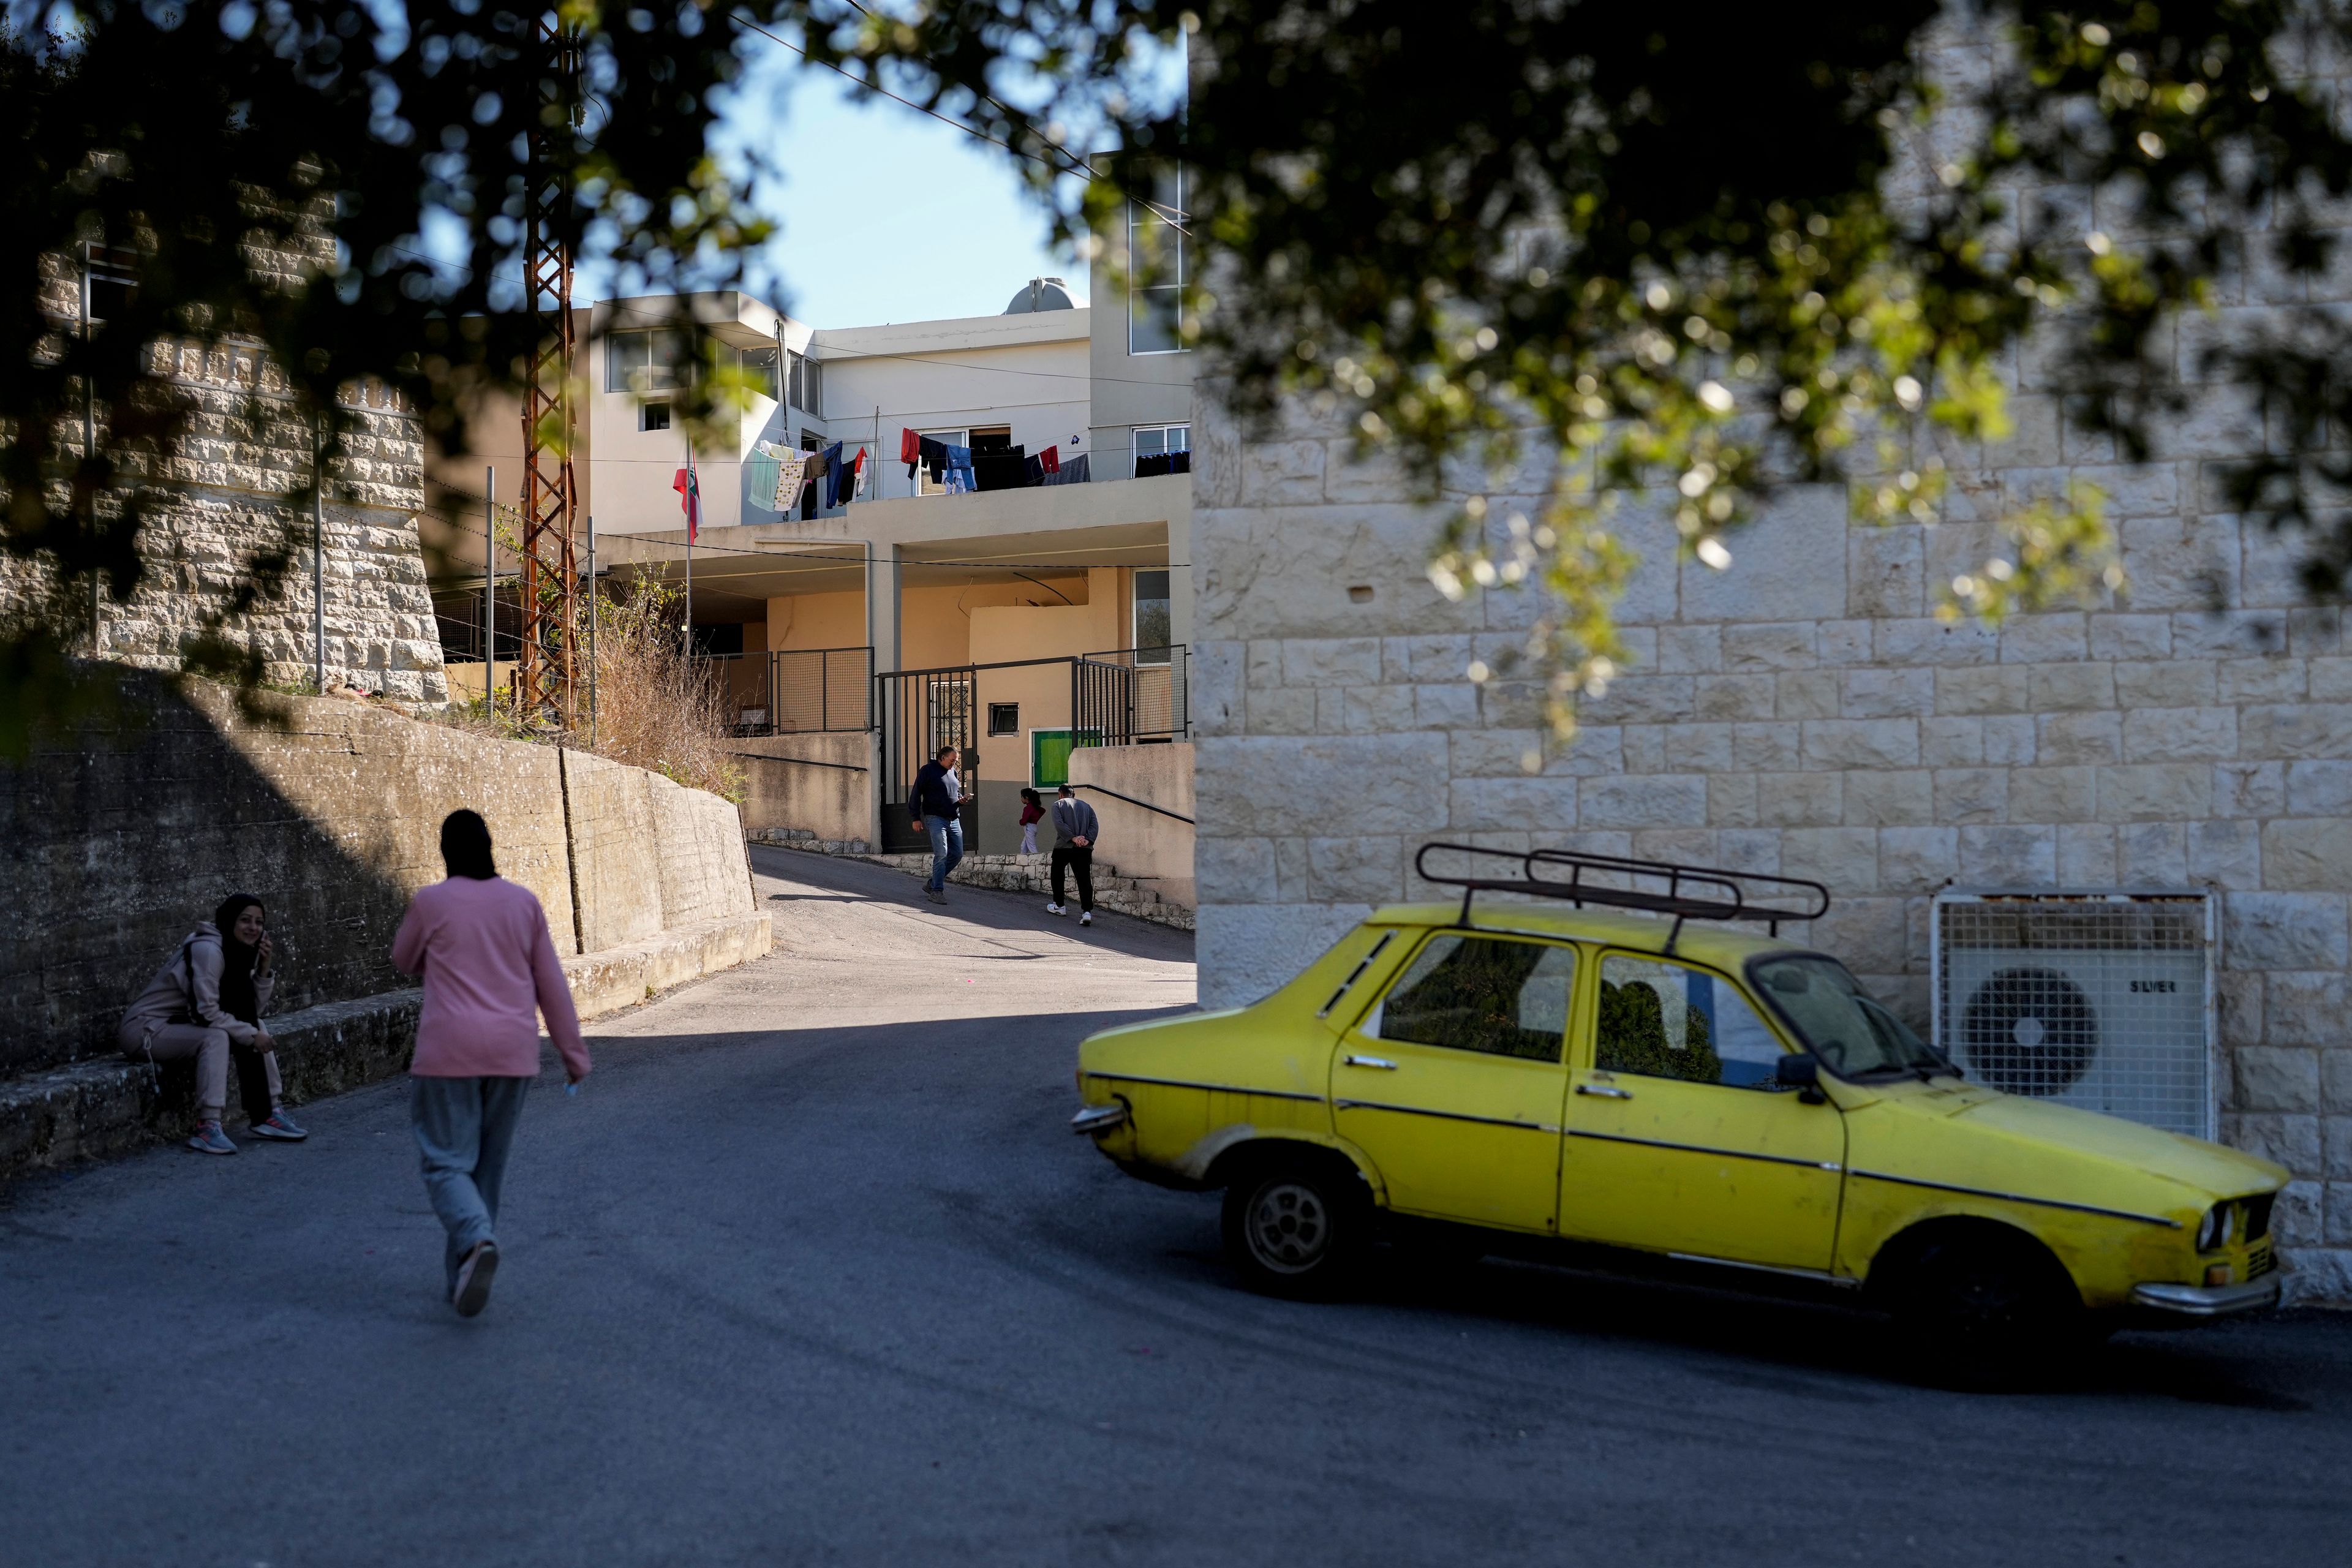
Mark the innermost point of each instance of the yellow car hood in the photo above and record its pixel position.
(2192, 1161)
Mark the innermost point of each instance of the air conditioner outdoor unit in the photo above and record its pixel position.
(2101, 1000)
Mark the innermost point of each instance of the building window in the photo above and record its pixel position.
(805, 384)
(1664, 1020)
(759, 365)
(652, 361)
(1151, 633)
(924, 484)
(1004, 718)
(1156, 259)
(1162, 449)
(653, 416)
(1477, 993)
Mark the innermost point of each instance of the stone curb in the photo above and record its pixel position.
(92, 1109)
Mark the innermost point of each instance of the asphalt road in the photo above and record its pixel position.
(813, 1273)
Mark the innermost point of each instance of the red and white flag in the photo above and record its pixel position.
(689, 497)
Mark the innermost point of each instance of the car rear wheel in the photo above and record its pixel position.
(1975, 1312)
(1295, 1227)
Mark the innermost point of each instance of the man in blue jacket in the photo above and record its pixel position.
(934, 802)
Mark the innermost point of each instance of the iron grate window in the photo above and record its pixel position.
(2101, 1001)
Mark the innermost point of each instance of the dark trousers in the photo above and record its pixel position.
(1082, 862)
(252, 1082)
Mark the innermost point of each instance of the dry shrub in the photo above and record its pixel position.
(655, 709)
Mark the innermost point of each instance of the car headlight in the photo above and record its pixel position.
(2216, 1228)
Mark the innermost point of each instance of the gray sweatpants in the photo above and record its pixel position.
(465, 1128)
(175, 1042)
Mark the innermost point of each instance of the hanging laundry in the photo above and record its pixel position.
(1179, 462)
(791, 473)
(1036, 466)
(910, 449)
(838, 475)
(759, 474)
(1149, 465)
(961, 481)
(934, 456)
(1050, 460)
(1074, 472)
(1005, 469)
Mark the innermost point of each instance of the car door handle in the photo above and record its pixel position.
(1382, 1063)
(1604, 1091)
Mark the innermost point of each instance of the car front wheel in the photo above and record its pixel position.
(1295, 1227)
(1988, 1315)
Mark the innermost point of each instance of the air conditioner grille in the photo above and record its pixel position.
(2100, 1001)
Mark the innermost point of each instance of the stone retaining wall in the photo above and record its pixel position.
(124, 837)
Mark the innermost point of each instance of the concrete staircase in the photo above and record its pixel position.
(1135, 896)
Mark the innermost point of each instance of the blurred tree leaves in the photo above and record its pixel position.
(1547, 251)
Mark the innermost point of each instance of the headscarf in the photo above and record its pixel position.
(466, 846)
(238, 999)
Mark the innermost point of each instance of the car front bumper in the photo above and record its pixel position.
(2208, 1301)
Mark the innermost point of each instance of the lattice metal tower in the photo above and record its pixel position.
(548, 668)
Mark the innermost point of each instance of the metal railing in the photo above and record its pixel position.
(1156, 810)
(1160, 695)
(792, 692)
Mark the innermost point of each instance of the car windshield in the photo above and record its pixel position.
(1843, 1024)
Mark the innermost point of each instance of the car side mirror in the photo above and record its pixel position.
(1803, 1074)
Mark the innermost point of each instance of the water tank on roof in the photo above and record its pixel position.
(1042, 294)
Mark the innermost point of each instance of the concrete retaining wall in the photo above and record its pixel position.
(123, 836)
(1143, 843)
(825, 789)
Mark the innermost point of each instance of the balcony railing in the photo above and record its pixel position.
(796, 691)
(1162, 702)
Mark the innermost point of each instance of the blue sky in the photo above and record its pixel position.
(886, 215)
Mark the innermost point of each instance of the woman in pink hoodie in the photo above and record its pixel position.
(481, 942)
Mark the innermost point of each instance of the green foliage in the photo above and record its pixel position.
(1554, 253)
(265, 174)
(1632, 1036)
(1543, 252)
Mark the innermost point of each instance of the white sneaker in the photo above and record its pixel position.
(1086, 916)
(1057, 910)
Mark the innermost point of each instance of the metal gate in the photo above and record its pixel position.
(920, 711)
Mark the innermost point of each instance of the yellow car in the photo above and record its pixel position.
(1664, 1082)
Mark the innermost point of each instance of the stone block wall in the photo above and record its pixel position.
(1806, 712)
(227, 483)
(224, 491)
(124, 837)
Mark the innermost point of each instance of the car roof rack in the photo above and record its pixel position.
(1689, 893)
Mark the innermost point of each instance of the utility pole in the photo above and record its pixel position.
(489, 585)
(90, 450)
(546, 664)
(317, 558)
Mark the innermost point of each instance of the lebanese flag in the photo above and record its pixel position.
(689, 497)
